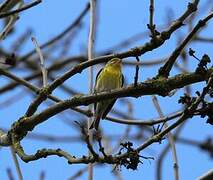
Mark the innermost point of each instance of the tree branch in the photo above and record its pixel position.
(160, 87)
(165, 70)
(25, 7)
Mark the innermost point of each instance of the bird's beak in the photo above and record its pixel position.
(119, 61)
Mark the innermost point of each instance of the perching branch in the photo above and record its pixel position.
(160, 87)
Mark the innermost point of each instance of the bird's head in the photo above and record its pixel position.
(114, 63)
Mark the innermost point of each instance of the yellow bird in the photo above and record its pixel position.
(108, 78)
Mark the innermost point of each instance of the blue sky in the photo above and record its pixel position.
(117, 20)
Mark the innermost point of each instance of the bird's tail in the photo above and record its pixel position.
(95, 122)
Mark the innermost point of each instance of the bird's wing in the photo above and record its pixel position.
(98, 75)
(95, 104)
(122, 80)
(109, 107)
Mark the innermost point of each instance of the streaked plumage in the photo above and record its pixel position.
(108, 78)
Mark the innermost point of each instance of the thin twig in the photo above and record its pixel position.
(207, 176)
(43, 69)
(164, 152)
(11, 23)
(8, 27)
(42, 175)
(10, 174)
(88, 142)
(151, 25)
(136, 72)
(78, 174)
(8, 4)
(91, 40)
(170, 137)
(150, 122)
(21, 41)
(10, 101)
(18, 169)
(203, 39)
(101, 147)
(6, 14)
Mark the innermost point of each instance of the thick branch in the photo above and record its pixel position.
(160, 86)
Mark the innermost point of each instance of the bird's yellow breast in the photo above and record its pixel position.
(109, 78)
